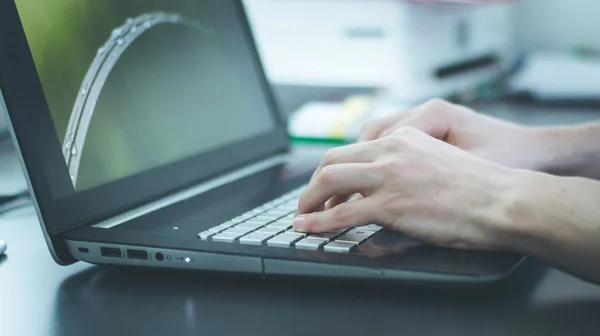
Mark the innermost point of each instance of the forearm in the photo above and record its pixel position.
(571, 151)
(555, 219)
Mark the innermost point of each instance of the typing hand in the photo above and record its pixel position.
(411, 183)
(504, 143)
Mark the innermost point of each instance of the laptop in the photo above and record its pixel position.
(150, 137)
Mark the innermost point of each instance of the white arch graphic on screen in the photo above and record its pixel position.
(91, 87)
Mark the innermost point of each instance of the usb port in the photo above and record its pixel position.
(137, 254)
(110, 252)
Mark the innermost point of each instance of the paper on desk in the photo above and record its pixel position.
(559, 76)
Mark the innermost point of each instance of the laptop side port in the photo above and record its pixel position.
(137, 254)
(110, 252)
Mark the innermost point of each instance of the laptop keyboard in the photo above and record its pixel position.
(271, 225)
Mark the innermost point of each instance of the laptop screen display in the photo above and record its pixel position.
(137, 84)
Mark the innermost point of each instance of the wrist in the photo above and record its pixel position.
(566, 150)
(504, 208)
(501, 218)
(529, 208)
(512, 219)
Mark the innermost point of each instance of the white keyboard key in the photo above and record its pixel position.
(206, 234)
(273, 230)
(289, 197)
(266, 217)
(255, 238)
(337, 232)
(281, 223)
(261, 209)
(282, 227)
(226, 237)
(252, 213)
(355, 236)
(225, 226)
(228, 224)
(251, 224)
(310, 243)
(260, 221)
(284, 239)
(277, 213)
(325, 236)
(216, 229)
(270, 205)
(286, 207)
(279, 201)
(293, 202)
(296, 232)
(237, 229)
(339, 247)
(371, 227)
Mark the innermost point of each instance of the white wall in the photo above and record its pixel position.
(557, 24)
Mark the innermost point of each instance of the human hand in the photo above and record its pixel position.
(411, 183)
(499, 141)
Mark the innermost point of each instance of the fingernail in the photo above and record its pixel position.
(299, 223)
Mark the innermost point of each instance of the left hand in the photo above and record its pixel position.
(412, 183)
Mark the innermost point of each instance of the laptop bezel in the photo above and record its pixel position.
(33, 131)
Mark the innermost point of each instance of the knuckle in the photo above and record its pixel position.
(327, 175)
(436, 104)
(405, 131)
(330, 156)
(392, 144)
(392, 167)
(369, 127)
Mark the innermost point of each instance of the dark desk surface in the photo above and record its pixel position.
(38, 297)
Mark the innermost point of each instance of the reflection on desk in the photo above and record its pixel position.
(184, 303)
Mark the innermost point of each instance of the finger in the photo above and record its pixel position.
(372, 130)
(337, 200)
(354, 153)
(430, 118)
(338, 180)
(346, 215)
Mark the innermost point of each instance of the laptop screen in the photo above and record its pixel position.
(133, 85)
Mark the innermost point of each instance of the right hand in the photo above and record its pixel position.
(499, 141)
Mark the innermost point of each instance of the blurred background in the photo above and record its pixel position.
(393, 54)
(556, 24)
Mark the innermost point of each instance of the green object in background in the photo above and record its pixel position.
(315, 141)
